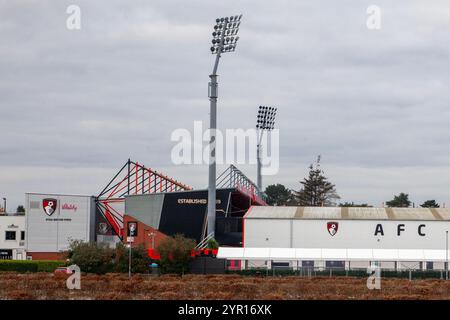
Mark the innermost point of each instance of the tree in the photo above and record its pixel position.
(140, 260)
(90, 257)
(100, 259)
(175, 253)
(400, 201)
(352, 204)
(213, 244)
(316, 190)
(278, 195)
(430, 204)
(20, 209)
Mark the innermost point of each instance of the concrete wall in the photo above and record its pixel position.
(74, 218)
(146, 235)
(145, 208)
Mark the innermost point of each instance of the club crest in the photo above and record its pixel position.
(332, 227)
(49, 206)
(103, 228)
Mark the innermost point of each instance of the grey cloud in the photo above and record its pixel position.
(89, 99)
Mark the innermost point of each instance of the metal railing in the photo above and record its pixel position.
(232, 177)
(204, 243)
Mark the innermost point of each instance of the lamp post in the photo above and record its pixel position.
(265, 121)
(152, 234)
(446, 255)
(224, 40)
(129, 258)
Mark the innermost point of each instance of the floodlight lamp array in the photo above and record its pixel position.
(225, 34)
(266, 118)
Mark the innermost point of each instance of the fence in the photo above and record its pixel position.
(339, 272)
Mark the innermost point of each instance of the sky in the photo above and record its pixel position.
(76, 104)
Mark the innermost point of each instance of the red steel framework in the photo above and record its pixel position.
(132, 179)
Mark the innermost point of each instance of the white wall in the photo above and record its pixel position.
(286, 233)
(17, 224)
(74, 218)
(262, 233)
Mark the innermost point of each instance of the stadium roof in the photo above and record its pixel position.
(348, 213)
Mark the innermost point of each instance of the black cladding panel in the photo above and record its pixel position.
(185, 212)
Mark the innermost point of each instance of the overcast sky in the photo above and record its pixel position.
(74, 105)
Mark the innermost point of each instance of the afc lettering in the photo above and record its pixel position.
(379, 231)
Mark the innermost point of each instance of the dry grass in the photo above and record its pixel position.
(222, 287)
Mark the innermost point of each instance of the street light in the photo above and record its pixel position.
(446, 255)
(224, 40)
(265, 121)
(152, 234)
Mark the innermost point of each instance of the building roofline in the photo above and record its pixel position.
(349, 213)
(58, 194)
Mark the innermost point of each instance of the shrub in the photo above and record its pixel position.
(175, 254)
(91, 258)
(140, 260)
(100, 259)
(30, 265)
(213, 244)
(49, 266)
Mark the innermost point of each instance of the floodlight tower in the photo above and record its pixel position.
(265, 121)
(224, 40)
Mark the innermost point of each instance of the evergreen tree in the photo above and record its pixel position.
(316, 189)
(278, 195)
(430, 204)
(400, 201)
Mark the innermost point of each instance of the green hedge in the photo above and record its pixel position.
(30, 265)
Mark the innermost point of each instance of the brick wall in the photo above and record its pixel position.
(47, 255)
(143, 233)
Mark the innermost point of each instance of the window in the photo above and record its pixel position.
(22, 235)
(10, 235)
(335, 264)
(281, 265)
(6, 254)
(308, 263)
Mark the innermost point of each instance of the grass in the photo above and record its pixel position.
(222, 287)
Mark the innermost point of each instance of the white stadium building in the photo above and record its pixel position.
(343, 237)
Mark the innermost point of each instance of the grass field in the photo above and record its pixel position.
(118, 286)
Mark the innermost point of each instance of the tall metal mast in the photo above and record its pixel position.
(224, 40)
